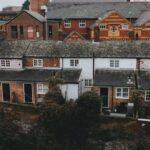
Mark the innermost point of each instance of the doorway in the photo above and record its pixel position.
(6, 92)
(28, 93)
(104, 97)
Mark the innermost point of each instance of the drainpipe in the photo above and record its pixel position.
(112, 98)
(137, 76)
(93, 66)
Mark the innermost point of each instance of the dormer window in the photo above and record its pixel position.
(37, 62)
(67, 23)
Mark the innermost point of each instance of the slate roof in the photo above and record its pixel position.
(95, 10)
(113, 78)
(13, 49)
(39, 75)
(144, 80)
(105, 49)
(35, 15)
(144, 17)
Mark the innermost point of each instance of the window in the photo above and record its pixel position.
(148, 26)
(88, 82)
(122, 93)
(74, 62)
(30, 32)
(82, 23)
(101, 27)
(14, 32)
(114, 63)
(5, 63)
(50, 31)
(37, 32)
(147, 96)
(42, 88)
(38, 62)
(21, 31)
(125, 26)
(67, 24)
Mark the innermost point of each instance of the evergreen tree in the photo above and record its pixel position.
(26, 5)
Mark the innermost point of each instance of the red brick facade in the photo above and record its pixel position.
(35, 5)
(47, 62)
(25, 27)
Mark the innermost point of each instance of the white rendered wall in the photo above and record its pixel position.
(104, 63)
(14, 64)
(85, 64)
(145, 64)
(70, 91)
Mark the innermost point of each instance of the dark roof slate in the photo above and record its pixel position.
(35, 15)
(39, 75)
(13, 49)
(144, 80)
(113, 78)
(95, 10)
(105, 49)
(144, 17)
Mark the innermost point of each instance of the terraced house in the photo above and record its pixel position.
(113, 69)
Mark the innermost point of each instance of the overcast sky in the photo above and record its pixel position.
(4, 3)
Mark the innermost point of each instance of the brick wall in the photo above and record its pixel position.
(25, 20)
(35, 5)
(47, 62)
(17, 87)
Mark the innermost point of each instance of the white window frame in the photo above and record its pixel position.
(102, 26)
(148, 27)
(5, 63)
(82, 24)
(42, 88)
(37, 62)
(122, 92)
(125, 26)
(74, 62)
(67, 23)
(114, 63)
(88, 82)
(147, 94)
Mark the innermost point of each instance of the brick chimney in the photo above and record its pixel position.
(35, 5)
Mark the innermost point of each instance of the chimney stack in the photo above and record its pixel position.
(35, 5)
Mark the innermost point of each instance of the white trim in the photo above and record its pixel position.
(37, 62)
(121, 97)
(114, 62)
(82, 24)
(74, 63)
(67, 24)
(88, 80)
(145, 96)
(42, 91)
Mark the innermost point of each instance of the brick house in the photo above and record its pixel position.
(94, 21)
(27, 25)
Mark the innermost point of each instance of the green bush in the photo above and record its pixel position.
(89, 104)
